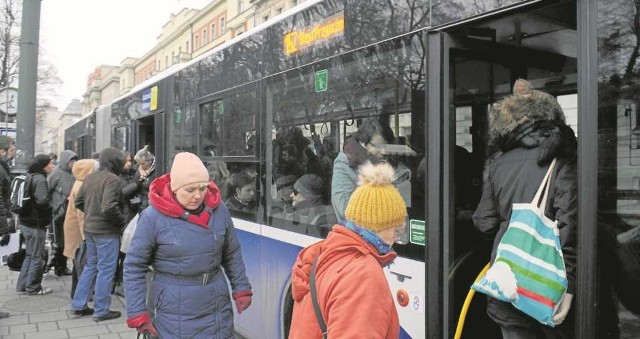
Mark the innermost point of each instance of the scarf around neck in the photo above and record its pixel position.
(370, 237)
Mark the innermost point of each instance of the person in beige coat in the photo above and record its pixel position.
(74, 220)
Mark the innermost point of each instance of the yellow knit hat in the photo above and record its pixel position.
(376, 204)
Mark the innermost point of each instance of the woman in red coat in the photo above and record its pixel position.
(353, 293)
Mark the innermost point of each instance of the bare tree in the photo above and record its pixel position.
(10, 12)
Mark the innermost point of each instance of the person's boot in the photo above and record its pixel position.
(63, 271)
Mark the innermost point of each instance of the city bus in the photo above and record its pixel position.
(305, 80)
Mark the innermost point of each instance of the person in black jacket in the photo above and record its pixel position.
(60, 182)
(33, 222)
(528, 129)
(7, 152)
(101, 200)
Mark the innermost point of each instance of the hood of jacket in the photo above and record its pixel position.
(162, 198)
(341, 242)
(83, 168)
(65, 157)
(551, 138)
(112, 160)
(525, 105)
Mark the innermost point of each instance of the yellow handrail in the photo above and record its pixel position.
(467, 302)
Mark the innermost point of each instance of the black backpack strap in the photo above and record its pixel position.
(314, 298)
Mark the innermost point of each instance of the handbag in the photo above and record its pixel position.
(529, 270)
(127, 235)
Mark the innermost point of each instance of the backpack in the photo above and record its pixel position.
(20, 193)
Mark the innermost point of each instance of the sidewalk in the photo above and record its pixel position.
(47, 317)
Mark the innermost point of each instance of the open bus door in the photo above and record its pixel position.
(480, 61)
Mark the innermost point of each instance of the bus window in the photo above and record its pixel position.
(316, 129)
(228, 125)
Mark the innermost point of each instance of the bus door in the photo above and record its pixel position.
(144, 129)
(482, 59)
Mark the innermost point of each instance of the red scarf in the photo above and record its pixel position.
(162, 198)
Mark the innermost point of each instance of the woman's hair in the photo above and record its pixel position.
(241, 179)
(144, 155)
(38, 164)
(370, 127)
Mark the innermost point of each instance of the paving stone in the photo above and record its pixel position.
(109, 336)
(47, 316)
(13, 336)
(59, 334)
(15, 319)
(121, 327)
(76, 322)
(48, 326)
(22, 328)
(87, 331)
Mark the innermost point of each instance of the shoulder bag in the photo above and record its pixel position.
(529, 269)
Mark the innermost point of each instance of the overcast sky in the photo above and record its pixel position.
(78, 35)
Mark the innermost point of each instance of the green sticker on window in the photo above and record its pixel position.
(417, 232)
(322, 80)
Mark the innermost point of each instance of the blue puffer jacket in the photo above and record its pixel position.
(177, 248)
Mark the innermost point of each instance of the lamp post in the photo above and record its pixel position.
(26, 120)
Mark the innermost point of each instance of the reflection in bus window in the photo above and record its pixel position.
(227, 125)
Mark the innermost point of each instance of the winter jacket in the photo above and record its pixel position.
(343, 183)
(353, 293)
(60, 182)
(5, 196)
(38, 212)
(514, 177)
(180, 250)
(74, 220)
(131, 187)
(144, 184)
(100, 197)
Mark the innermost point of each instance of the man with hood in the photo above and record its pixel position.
(60, 182)
(33, 220)
(101, 200)
(7, 152)
(528, 130)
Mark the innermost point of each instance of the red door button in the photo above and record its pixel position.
(403, 298)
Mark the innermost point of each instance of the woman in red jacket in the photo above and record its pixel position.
(353, 293)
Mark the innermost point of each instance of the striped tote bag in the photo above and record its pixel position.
(529, 270)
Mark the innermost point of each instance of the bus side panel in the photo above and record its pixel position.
(407, 278)
(248, 323)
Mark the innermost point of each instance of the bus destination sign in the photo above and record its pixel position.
(295, 41)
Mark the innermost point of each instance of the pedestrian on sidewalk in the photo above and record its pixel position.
(74, 220)
(33, 221)
(188, 237)
(7, 224)
(60, 182)
(353, 294)
(100, 198)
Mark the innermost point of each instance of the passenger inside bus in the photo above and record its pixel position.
(219, 174)
(290, 163)
(359, 148)
(283, 203)
(243, 201)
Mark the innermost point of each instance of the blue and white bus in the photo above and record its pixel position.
(302, 82)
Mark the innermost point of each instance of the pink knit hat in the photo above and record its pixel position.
(187, 168)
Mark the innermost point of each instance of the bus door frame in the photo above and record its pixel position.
(438, 127)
